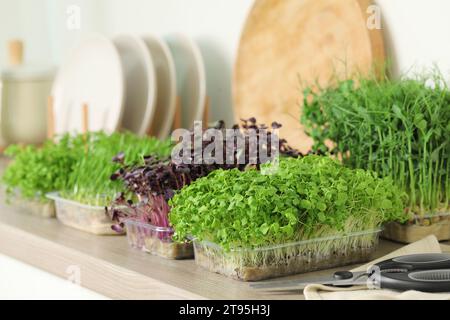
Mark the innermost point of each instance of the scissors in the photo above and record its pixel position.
(429, 272)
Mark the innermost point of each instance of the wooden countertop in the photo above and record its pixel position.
(108, 266)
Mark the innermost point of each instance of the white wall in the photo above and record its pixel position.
(24, 19)
(41, 24)
(416, 31)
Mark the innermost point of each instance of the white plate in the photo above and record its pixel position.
(140, 84)
(92, 74)
(167, 91)
(191, 78)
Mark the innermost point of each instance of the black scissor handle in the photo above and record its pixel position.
(429, 272)
(424, 261)
(426, 281)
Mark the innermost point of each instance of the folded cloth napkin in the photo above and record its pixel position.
(427, 245)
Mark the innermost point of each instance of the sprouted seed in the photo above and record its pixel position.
(291, 258)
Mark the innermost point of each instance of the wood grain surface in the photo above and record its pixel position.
(288, 44)
(108, 266)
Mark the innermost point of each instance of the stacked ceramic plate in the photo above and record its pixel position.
(130, 83)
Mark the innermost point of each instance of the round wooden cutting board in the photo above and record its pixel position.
(287, 44)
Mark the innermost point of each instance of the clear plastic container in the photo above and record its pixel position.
(286, 259)
(156, 240)
(92, 219)
(44, 209)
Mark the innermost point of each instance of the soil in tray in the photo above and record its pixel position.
(290, 264)
(169, 249)
(438, 225)
(157, 240)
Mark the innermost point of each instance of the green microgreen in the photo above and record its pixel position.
(397, 128)
(305, 198)
(35, 171)
(78, 167)
(89, 181)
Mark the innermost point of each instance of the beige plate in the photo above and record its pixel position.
(288, 42)
(191, 77)
(92, 74)
(167, 90)
(140, 83)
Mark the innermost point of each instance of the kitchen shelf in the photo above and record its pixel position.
(108, 266)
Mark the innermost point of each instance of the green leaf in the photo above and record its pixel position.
(264, 228)
(422, 124)
(306, 204)
(321, 206)
(386, 204)
(398, 112)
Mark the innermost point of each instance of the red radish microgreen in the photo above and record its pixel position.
(155, 182)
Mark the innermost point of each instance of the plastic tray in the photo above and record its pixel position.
(156, 240)
(418, 228)
(44, 209)
(92, 219)
(291, 258)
